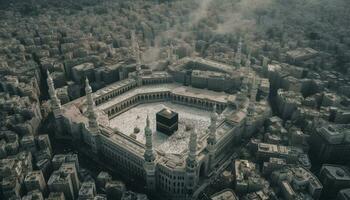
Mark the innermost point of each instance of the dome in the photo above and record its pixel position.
(136, 130)
(340, 173)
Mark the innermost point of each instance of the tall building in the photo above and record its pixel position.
(329, 141)
(149, 156)
(115, 189)
(93, 124)
(33, 195)
(55, 102)
(334, 178)
(211, 140)
(238, 59)
(10, 187)
(102, 179)
(247, 178)
(226, 194)
(61, 182)
(59, 159)
(28, 143)
(35, 181)
(87, 191)
(297, 182)
(56, 196)
(344, 194)
(43, 142)
(191, 162)
(69, 168)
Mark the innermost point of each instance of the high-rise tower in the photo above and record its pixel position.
(55, 102)
(211, 140)
(170, 52)
(135, 48)
(191, 163)
(149, 157)
(238, 58)
(248, 63)
(93, 124)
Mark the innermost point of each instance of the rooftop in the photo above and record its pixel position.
(224, 195)
(338, 172)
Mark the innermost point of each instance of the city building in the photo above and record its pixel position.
(70, 169)
(247, 178)
(33, 195)
(56, 196)
(297, 183)
(103, 178)
(115, 189)
(35, 181)
(87, 191)
(344, 194)
(227, 194)
(61, 182)
(329, 141)
(334, 178)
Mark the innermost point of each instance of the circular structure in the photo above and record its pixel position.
(136, 130)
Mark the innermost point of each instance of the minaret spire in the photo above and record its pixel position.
(192, 146)
(55, 101)
(136, 48)
(248, 63)
(239, 53)
(193, 49)
(212, 127)
(149, 155)
(191, 162)
(211, 140)
(93, 124)
(170, 53)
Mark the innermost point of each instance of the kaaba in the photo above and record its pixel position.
(167, 121)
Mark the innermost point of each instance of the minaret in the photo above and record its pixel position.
(149, 165)
(93, 124)
(135, 48)
(137, 54)
(149, 155)
(171, 54)
(55, 102)
(193, 49)
(211, 140)
(138, 76)
(238, 58)
(248, 63)
(191, 163)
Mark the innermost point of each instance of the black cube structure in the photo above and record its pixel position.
(167, 121)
